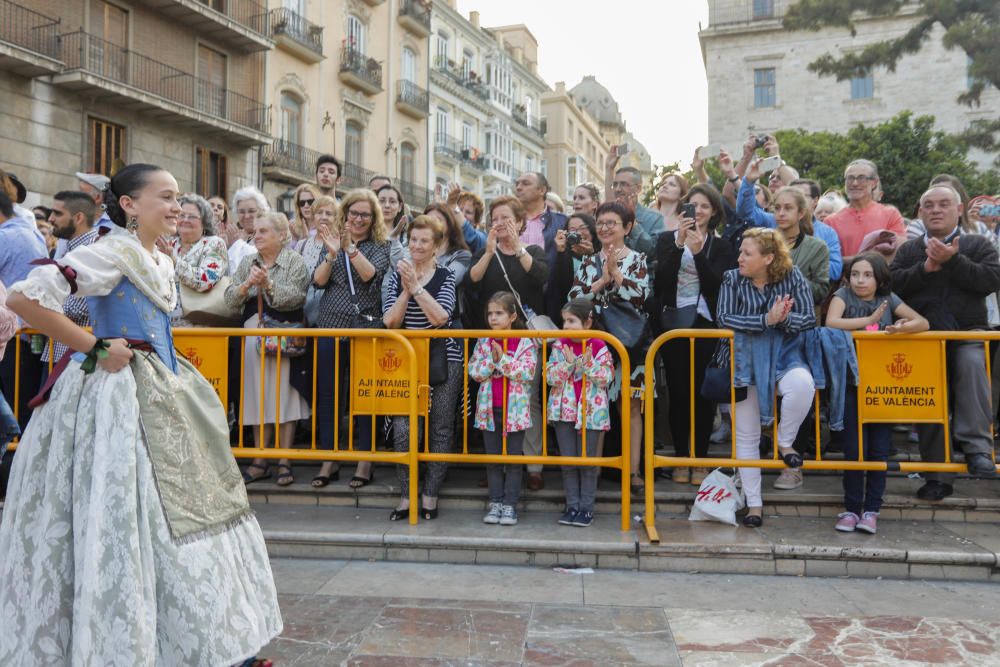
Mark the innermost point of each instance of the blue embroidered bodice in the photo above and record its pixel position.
(128, 313)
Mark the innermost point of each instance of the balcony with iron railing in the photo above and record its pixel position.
(520, 115)
(473, 160)
(458, 79)
(288, 161)
(415, 16)
(238, 24)
(29, 41)
(447, 148)
(736, 13)
(412, 100)
(360, 71)
(355, 176)
(140, 81)
(294, 33)
(416, 197)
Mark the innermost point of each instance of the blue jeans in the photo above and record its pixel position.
(863, 490)
(325, 407)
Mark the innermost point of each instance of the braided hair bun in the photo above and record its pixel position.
(127, 182)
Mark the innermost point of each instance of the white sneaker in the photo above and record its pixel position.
(493, 516)
(790, 478)
(508, 516)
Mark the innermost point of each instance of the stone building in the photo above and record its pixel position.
(575, 150)
(758, 78)
(598, 101)
(486, 103)
(349, 78)
(92, 84)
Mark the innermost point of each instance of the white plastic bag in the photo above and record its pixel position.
(717, 499)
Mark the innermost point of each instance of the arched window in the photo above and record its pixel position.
(353, 144)
(409, 65)
(407, 163)
(291, 118)
(355, 33)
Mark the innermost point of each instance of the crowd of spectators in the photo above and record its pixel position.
(772, 261)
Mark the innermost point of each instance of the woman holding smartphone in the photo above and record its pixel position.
(691, 263)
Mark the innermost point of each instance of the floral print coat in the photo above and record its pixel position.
(634, 287)
(563, 405)
(519, 369)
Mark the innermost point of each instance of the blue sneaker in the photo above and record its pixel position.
(568, 517)
(583, 518)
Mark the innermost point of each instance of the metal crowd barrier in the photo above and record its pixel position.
(937, 341)
(196, 344)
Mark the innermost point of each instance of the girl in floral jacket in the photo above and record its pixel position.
(496, 364)
(579, 369)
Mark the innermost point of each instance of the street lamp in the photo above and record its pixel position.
(285, 203)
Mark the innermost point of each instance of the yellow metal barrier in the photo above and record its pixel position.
(653, 460)
(416, 378)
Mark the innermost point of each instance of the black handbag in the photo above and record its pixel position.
(717, 382)
(359, 320)
(623, 320)
(678, 318)
(437, 365)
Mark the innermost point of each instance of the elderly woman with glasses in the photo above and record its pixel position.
(249, 204)
(354, 259)
(200, 257)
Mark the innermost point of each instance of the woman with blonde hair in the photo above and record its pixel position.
(670, 195)
(768, 304)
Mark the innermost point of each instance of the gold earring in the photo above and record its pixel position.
(132, 225)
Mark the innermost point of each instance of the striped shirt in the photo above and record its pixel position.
(442, 288)
(743, 307)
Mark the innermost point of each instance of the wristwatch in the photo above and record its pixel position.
(520, 253)
(420, 290)
(352, 250)
(733, 179)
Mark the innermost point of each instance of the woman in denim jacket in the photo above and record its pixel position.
(767, 303)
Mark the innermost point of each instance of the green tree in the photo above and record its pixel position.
(970, 25)
(908, 152)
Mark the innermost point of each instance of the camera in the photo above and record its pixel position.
(761, 140)
(573, 238)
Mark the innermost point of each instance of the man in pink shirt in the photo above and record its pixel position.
(864, 215)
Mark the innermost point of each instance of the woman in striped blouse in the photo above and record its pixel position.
(421, 295)
(768, 304)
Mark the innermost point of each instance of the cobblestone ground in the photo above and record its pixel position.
(428, 615)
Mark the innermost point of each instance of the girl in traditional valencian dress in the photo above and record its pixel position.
(127, 538)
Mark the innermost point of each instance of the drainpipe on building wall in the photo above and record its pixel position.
(394, 8)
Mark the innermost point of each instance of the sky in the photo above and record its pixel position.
(581, 37)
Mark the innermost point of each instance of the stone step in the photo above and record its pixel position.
(821, 495)
(794, 546)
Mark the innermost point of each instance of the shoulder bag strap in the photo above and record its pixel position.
(350, 283)
(517, 297)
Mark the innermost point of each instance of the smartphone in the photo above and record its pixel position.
(709, 152)
(687, 211)
(990, 211)
(621, 149)
(770, 164)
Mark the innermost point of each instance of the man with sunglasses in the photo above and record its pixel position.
(864, 215)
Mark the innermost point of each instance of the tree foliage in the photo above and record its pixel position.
(970, 25)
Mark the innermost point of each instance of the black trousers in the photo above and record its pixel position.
(676, 356)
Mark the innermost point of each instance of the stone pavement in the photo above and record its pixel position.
(434, 615)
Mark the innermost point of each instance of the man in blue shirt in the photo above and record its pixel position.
(94, 185)
(625, 187)
(20, 244)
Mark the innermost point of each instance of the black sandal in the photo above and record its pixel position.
(428, 514)
(357, 482)
(398, 514)
(285, 476)
(753, 521)
(792, 459)
(250, 479)
(319, 481)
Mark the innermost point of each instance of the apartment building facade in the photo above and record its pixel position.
(93, 84)
(486, 103)
(575, 151)
(349, 78)
(758, 77)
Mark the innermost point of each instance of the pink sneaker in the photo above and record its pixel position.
(848, 521)
(869, 523)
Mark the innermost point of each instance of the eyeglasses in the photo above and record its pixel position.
(306, 202)
(858, 179)
(357, 215)
(247, 212)
(606, 224)
(189, 216)
(621, 184)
